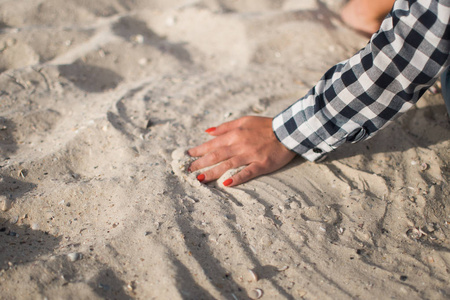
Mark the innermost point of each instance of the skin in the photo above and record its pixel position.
(248, 141)
(366, 16)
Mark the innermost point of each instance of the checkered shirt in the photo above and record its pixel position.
(359, 96)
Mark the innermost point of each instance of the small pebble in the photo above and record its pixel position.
(74, 256)
(284, 268)
(403, 277)
(22, 173)
(257, 109)
(139, 39)
(131, 286)
(143, 61)
(104, 286)
(252, 276)
(423, 166)
(256, 294)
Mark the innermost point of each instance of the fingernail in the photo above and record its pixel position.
(228, 182)
(209, 130)
(201, 177)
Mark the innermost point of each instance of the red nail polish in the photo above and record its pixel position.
(189, 170)
(201, 177)
(209, 130)
(228, 182)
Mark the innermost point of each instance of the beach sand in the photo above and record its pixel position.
(99, 101)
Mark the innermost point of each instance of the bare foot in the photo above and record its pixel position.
(366, 16)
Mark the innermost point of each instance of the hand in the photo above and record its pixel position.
(246, 141)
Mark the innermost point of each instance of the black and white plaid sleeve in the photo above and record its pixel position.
(357, 97)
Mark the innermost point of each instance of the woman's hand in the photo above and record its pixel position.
(246, 141)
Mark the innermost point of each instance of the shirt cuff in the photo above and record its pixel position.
(295, 132)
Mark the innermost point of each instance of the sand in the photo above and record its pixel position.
(99, 101)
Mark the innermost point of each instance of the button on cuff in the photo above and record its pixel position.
(317, 150)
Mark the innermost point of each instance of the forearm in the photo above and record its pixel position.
(357, 97)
